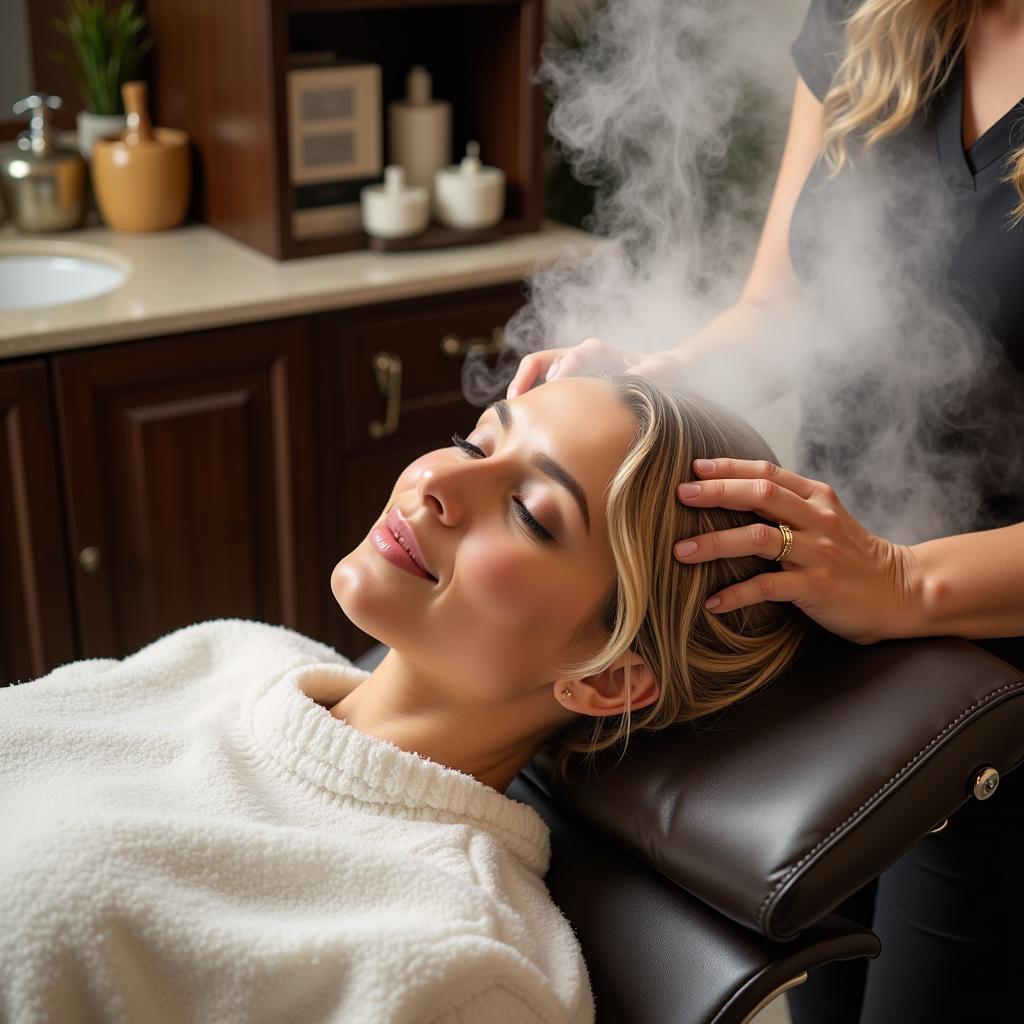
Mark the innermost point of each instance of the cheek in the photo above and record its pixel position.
(516, 609)
(501, 583)
(520, 589)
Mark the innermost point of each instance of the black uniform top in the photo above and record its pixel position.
(980, 265)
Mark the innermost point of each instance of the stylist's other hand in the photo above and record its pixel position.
(538, 367)
(848, 580)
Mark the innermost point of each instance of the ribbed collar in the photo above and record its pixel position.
(330, 754)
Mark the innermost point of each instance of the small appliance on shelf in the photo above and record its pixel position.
(335, 145)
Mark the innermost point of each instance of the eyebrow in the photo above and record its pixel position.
(547, 465)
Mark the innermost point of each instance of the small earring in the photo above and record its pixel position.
(566, 693)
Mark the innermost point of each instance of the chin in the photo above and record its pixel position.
(365, 599)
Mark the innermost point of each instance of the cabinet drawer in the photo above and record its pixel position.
(430, 393)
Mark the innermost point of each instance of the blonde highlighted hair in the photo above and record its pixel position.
(899, 54)
(703, 661)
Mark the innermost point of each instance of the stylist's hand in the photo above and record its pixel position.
(538, 367)
(848, 580)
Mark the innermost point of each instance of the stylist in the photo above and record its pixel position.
(942, 81)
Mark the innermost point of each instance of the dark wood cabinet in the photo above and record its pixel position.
(148, 485)
(188, 469)
(221, 76)
(36, 631)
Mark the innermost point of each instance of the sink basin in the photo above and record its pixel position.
(38, 274)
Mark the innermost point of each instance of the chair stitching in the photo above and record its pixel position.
(807, 856)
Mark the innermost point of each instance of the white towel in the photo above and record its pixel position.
(186, 836)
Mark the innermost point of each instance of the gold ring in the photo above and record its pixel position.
(787, 543)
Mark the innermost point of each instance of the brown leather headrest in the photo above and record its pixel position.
(777, 809)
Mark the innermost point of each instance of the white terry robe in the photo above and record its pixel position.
(185, 835)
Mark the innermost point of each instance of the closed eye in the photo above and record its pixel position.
(523, 513)
(468, 447)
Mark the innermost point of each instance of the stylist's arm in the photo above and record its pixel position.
(851, 582)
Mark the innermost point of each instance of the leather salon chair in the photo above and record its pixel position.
(700, 872)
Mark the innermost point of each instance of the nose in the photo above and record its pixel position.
(448, 487)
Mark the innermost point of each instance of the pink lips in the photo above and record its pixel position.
(397, 543)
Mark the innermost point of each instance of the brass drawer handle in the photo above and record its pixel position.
(89, 559)
(455, 347)
(387, 368)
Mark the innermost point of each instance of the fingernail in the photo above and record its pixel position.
(685, 547)
(712, 603)
(703, 465)
(689, 490)
(552, 370)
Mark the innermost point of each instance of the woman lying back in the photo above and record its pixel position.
(235, 823)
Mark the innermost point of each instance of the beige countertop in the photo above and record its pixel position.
(196, 277)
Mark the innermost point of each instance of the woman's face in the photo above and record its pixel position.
(510, 526)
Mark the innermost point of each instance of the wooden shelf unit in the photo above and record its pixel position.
(220, 75)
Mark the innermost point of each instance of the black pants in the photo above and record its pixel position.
(950, 916)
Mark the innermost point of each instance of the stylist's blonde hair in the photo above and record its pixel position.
(899, 53)
(704, 662)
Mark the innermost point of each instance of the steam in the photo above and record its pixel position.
(674, 112)
(646, 111)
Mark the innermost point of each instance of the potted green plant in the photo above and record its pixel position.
(107, 46)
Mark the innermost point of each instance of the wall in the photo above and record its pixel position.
(15, 73)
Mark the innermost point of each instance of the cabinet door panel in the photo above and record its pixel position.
(189, 475)
(194, 440)
(36, 629)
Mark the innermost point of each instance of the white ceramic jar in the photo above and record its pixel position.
(469, 195)
(394, 209)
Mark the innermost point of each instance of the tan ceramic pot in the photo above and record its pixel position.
(142, 186)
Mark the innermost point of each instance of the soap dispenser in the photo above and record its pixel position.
(44, 186)
(469, 195)
(419, 130)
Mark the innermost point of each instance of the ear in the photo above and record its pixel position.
(605, 693)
